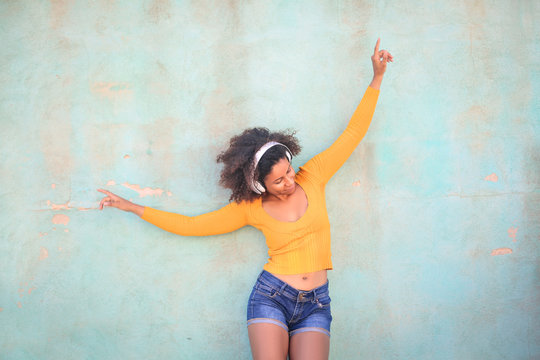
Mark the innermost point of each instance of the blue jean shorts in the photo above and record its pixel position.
(276, 302)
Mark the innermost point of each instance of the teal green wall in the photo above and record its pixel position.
(140, 96)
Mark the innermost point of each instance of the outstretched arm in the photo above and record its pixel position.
(325, 164)
(224, 220)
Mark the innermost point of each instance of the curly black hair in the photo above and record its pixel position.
(238, 159)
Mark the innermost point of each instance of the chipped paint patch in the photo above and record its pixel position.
(356, 183)
(53, 186)
(501, 251)
(111, 183)
(169, 193)
(60, 219)
(59, 206)
(492, 177)
(143, 192)
(126, 156)
(19, 304)
(31, 289)
(43, 253)
(1, 309)
(41, 234)
(512, 233)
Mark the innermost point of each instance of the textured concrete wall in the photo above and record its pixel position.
(435, 217)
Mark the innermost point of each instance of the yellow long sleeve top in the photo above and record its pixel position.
(293, 247)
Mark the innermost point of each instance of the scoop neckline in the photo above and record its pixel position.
(304, 215)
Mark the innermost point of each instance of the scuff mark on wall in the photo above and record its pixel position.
(501, 251)
(112, 90)
(512, 233)
(60, 219)
(147, 191)
(492, 177)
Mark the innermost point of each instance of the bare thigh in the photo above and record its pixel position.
(310, 345)
(268, 341)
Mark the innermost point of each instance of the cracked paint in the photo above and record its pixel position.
(501, 251)
(58, 206)
(492, 177)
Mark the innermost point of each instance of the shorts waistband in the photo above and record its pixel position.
(285, 289)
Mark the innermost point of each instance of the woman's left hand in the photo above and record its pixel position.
(379, 60)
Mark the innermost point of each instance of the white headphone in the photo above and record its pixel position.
(255, 185)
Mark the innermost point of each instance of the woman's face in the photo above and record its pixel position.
(280, 180)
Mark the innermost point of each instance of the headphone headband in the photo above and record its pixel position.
(256, 186)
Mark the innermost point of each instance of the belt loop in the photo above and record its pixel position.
(282, 288)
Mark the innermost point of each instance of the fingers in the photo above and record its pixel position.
(105, 192)
(383, 54)
(106, 201)
(377, 47)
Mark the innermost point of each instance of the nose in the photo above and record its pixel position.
(289, 180)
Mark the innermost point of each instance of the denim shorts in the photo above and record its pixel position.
(274, 301)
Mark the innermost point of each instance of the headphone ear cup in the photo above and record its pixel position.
(260, 188)
(289, 155)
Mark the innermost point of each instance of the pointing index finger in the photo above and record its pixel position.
(377, 47)
(104, 191)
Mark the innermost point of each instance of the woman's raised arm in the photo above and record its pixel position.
(325, 164)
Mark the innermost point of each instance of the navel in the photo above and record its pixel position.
(304, 278)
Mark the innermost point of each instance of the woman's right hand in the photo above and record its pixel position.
(112, 200)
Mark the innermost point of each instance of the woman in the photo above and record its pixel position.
(289, 306)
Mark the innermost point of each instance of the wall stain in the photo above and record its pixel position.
(512, 233)
(159, 10)
(43, 253)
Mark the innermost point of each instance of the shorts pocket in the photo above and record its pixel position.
(266, 290)
(324, 300)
